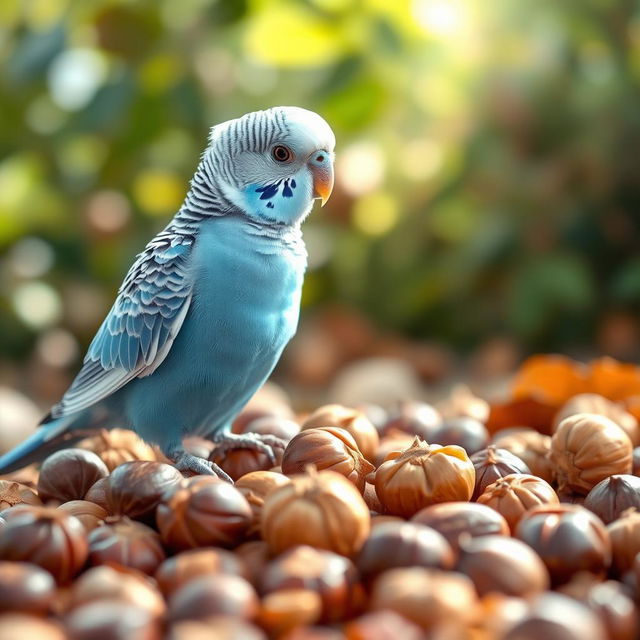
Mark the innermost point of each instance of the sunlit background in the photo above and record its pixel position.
(487, 200)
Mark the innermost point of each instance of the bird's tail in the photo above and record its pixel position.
(49, 438)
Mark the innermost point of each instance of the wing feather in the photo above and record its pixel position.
(138, 332)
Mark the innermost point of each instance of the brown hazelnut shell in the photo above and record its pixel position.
(614, 495)
(13, 493)
(47, 537)
(422, 475)
(322, 509)
(204, 512)
(514, 494)
(68, 474)
(351, 420)
(328, 449)
(587, 448)
(90, 514)
(255, 487)
(568, 539)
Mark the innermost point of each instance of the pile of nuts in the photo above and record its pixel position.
(464, 520)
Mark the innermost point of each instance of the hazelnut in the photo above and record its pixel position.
(98, 494)
(136, 488)
(351, 420)
(463, 402)
(333, 577)
(90, 514)
(609, 601)
(238, 462)
(568, 539)
(327, 448)
(69, 474)
(635, 461)
(204, 512)
(503, 565)
(20, 625)
(613, 495)
(113, 583)
(214, 594)
(554, 616)
(47, 537)
(100, 618)
(587, 448)
(463, 431)
(254, 487)
(455, 520)
(322, 509)
(624, 534)
(531, 447)
(215, 628)
(25, 588)
(422, 475)
(514, 494)
(12, 493)
(127, 543)
(288, 609)
(594, 403)
(176, 571)
(425, 597)
(492, 464)
(255, 556)
(415, 419)
(396, 441)
(118, 446)
(403, 544)
(378, 625)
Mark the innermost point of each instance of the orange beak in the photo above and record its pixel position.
(322, 181)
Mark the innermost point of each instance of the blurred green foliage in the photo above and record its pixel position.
(488, 170)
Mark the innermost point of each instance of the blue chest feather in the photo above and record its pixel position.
(244, 311)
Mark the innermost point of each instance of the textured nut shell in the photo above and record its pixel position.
(492, 464)
(25, 588)
(330, 449)
(614, 495)
(587, 448)
(205, 512)
(48, 537)
(457, 520)
(503, 565)
(333, 577)
(68, 474)
(321, 509)
(12, 493)
(423, 475)
(117, 446)
(532, 448)
(351, 420)
(283, 610)
(176, 571)
(568, 538)
(255, 487)
(514, 494)
(428, 598)
(91, 515)
(107, 583)
(594, 403)
(126, 543)
(624, 534)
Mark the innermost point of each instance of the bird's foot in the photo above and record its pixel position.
(265, 443)
(187, 462)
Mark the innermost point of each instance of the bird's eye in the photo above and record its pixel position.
(281, 153)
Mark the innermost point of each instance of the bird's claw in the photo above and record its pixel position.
(265, 443)
(187, 462)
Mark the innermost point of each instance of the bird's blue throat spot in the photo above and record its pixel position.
(267, 192)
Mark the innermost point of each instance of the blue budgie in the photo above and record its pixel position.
(205, 311)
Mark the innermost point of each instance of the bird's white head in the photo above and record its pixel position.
(272, 164)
